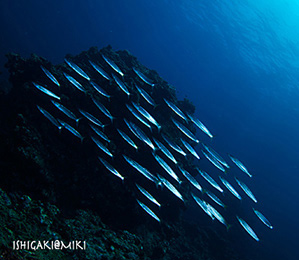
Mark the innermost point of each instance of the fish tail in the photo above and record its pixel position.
(82, 138)
(228, 226)
(77, 121)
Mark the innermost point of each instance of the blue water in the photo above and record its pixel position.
(237, 62)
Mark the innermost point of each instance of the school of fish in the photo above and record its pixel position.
(140, 131)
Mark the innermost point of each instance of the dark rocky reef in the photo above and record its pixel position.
(42, 167)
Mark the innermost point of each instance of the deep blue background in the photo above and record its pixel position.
(237, 63)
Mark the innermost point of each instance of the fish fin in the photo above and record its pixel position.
(228, 226)
(77, 121)
(156, 105)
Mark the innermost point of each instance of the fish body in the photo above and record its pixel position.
(113, 65)
(65, 110)
(169, 186)
(185, 131)
(71, 129)
(203, 205)
(246, 190)
(91, 118)
(74, 82)
(101, 146)
(191, 179)
(148, 210)
(240, 165)
(141, 169)
(121, 84)
(77, 69)
(138, 116)
(263, 218)
(247, 228)
(100, 90)
(146, 96)
(140, 134)
(212, 159)
(46, 91)
(147, 115)
(103, 109)
(165, 150)
(230, 188)
(200, 125)
(215, 155)
(215, 198)
(50, 76)
(127, 139)
(143, 77)
(173, 145)
(101, 71)
(210, 180)
(110, 168)
(175, 109)
(166, 167)
(50, 117)
(216, 214)
(148, 195)
(99, 133)
(190, 149)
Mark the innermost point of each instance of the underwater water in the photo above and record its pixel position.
(237, 63)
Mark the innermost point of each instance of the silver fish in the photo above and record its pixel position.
(215, 155)
(165, 150)
(65, 110)
(247, 228)
(190, 149)
(230, 188)
(141, 135)
(148, 195)
(146, 96)
(50, 76)
(138, 116)
(113, 65)
(101, 71)
(191, 179)
(169, 186)
(100, 90)
(203, 205)
(185, 131)
(175, 109)
(74, 82)
(46, 91)
(71, 129)
(173, 145)
(121, 84)
(91, 118)
(105, 111)
(240, 165)
(217, 215)
(166, 167)
(216, 163)
(210, 180)
(77, 69)
(50, 117)
(215, 198)
(127, 139)
(263, 218)
(246, 190)
(99, 133)
(101, 146)
(200, 125)
(147, 115)
(148, 210)
(143, 77)
(111, 169)
(141, 169)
